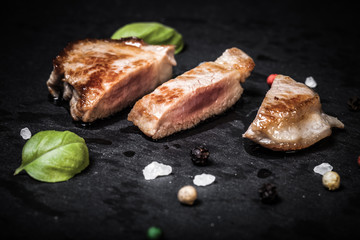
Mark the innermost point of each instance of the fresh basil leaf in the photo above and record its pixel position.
(152, 33)
(54, 156)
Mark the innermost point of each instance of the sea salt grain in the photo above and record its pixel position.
(310, 82)
(155, 169)
(25, 133)
(323, 168)
(203, 179)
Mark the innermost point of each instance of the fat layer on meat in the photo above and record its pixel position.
(290, 117)
(181, 103)
(101, 77)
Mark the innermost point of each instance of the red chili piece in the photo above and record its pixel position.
(358, 161)
(271, 78)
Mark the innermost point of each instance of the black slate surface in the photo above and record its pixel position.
(111, 199)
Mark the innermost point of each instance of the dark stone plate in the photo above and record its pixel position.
(111, 200)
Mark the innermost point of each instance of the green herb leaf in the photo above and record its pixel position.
(152, 33)
(54, 156)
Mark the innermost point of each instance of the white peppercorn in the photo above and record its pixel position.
(331, 180)
(187, 195)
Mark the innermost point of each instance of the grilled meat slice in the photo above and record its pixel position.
(101, 77)
(196, 95)
(290, 117)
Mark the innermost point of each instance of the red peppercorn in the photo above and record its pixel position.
(271, 78)
(358, 160)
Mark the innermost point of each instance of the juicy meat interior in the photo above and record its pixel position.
(290, 117)
(101, 77)
(181, 103)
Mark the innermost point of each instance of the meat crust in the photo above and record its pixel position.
(290, 117)
(181, 103)
(101, 77)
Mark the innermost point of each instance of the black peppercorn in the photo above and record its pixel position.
(200, 155)
(268, 193)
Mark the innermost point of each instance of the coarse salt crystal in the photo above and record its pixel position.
(25, 133)
(155, 169)
(323, 168)
(310, 82)
(203, 179)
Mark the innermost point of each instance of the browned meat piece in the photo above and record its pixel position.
(196, 95)
(290, 117)
(101, 77)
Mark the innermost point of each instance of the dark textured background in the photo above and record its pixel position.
(111, 199)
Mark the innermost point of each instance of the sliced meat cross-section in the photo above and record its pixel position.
(181, 103)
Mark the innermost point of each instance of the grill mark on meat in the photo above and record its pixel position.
(290, 117)
(93, 68)
(166, 95)
(286, 108)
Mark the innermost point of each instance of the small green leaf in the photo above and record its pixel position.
(152, 33)
(54, 156)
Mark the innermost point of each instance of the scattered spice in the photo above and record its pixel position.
(187, 195)
(358, 160)
(200, 156)
(323, 168)
(25, 133)
(270, 79)
(268, 193)
(331, 180)
(155, 169)
(204, 179)
(310, 82)
(154, 233)
(354, 103)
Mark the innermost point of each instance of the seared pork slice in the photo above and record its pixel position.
(101, 77)
(290, 117)
(196, 95)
